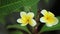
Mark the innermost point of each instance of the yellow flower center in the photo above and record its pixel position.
(25, 19)
(49, 19)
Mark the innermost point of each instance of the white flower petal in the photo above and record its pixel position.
(32, 22)
(19, 20)
(44, 12)
(51, 14)
(49, 25)
(30, 14)
(23, 14)
(56, 21)
(23, 24)
(42, 19)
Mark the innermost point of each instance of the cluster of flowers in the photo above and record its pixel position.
(48, 18)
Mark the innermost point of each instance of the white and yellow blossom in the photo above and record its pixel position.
(48, 18)
(26, 18)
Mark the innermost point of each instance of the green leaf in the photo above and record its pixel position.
(19, 27)
(56, 27)
(16, 32)
(8, 6)
(29, 2)
(34, 9)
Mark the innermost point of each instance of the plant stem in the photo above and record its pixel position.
(35, 30)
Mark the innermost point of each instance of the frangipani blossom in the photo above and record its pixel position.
(48, 18)
(26, 18)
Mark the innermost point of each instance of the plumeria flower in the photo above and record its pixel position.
(26, 18)
(48, 18)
